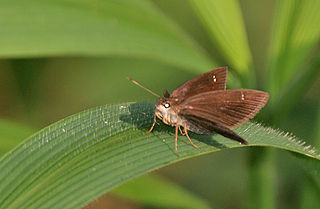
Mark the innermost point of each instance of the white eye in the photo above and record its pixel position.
(166, 105)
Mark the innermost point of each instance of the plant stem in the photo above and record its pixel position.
(261, 184)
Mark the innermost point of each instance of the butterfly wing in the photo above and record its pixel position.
(205, 126)
(228, 108)
(210, 81)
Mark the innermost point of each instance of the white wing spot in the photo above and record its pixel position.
(214, 78)
(242, 96)
(189, 107)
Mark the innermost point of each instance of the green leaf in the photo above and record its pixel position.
(295, 34)
(12, 133)
(316, 130)
(77, 159)
(309, 195)
(294, 91)
(227, 31)
(130, 28)
(157, 192)
(261, 172)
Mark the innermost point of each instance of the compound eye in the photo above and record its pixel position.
(166, 105)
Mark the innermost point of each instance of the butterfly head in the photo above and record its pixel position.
(162, 107)
(165, 111)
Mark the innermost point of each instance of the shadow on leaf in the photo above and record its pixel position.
(141, 116)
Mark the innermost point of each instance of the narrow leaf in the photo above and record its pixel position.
(77, 159)
(227, 31)
(95, 28)
(157, 192)
(295, 34)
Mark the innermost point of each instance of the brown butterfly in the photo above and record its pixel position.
(203, 105)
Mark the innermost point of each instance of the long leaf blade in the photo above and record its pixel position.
(168, 195)
(227, 31)
(95, 28)
(75, 160)
(295, 35)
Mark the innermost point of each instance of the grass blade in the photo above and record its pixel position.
(77, 159)
(133, 28)
(227, 31)
(295, 35)
(156, 192)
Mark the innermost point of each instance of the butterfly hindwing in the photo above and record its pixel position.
(205, 126)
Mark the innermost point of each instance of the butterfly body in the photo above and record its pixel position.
(204, 106)
(165, 109)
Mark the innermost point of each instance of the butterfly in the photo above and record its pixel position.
(203, 105)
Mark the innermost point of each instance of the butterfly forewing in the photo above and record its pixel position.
(227, 108)
(210, 81)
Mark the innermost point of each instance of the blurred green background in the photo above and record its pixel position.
(60, 57)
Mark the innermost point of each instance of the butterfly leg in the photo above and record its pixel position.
(154, 123)
(181, 132)
(186, 132)
(176, 141)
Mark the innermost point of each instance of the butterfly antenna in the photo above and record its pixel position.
(135, 82)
